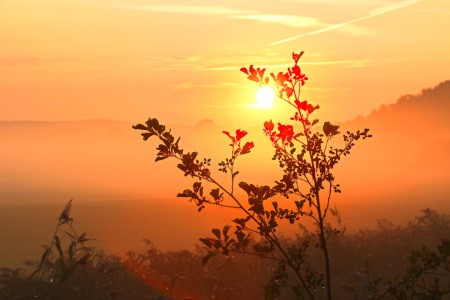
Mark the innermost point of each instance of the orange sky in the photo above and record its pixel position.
(179, 60)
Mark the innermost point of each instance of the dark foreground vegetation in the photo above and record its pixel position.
(368, 264)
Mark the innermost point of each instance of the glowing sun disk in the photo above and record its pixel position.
(265, 97)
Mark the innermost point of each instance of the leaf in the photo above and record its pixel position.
(181, 167)
(216, 232)
(241, 221)
(244, 70)
(147, 135)
(299, 204)
(152, 123)
(188, 194)
(69, 234)
(140, 127)
(289, 92)
(58, 246)
(163, 148)
(240, 236)
(207, 258)
(197, 186)
(206, 242)
(215, 193)
(161, 158)
(225, 229)
(329, 129)
(44, 257)
(261, 73)
(275, 205)
(71, 247)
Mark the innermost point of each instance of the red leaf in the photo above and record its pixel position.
(286, 132)
(296, 70)
(247, 147)
(289, 92)
(240, 134)
(281, 78)
(231, 137)
(301, 105)
(261, 73)
(244, 70)
(268, 125)
(253, 78)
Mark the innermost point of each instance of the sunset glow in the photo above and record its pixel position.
(239, 92)
(89, 59)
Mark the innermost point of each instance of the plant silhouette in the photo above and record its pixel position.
(307, 157)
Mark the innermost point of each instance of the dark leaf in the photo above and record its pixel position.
(225, 229)
(161, 158)
(216, 232)
(207, 258)
(140, 127)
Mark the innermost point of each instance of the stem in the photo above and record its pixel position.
(321, 218)
(328, 201)
(291, 264)
(324, 248)
(272, 238)
(41, 274)
(232, 170)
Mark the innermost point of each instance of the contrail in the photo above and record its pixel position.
(374, 13)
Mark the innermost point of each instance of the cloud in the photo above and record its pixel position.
(373, 13)
(184, 9)
(301, 21)
(190, 85)
(292, 21)
(433, 10)
(233, 63)
(342, 2)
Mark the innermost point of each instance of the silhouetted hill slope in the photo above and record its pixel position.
(407, 160)
(415, 127)
(431, 105)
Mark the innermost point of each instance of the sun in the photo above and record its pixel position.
(265, 96)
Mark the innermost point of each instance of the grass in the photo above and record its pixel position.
(70, 269)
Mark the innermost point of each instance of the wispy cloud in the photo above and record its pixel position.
(302, 21)
(433, 10)
(342, 2)
(190, 85)
(373, 13)
(292, 21)
(210, 64)
(184, 9)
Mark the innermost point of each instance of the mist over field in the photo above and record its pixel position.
(121, 195)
